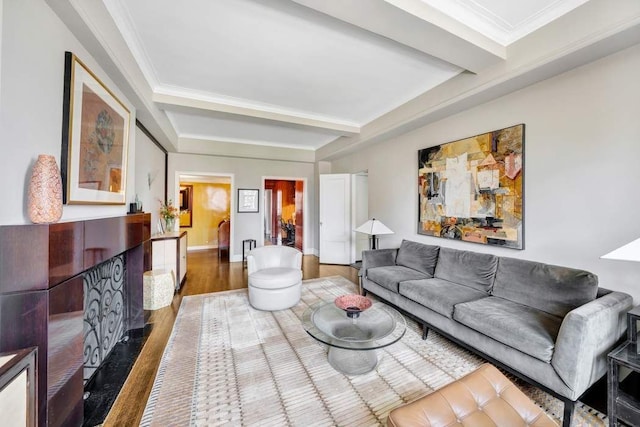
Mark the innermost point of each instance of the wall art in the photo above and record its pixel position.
(95, 138)
(472, 189)
(248, 200)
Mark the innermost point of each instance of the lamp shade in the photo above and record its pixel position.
(628, 252)
(373, 227)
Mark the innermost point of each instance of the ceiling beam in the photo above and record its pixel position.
(253, 151)
(415, 24)
(181, 102)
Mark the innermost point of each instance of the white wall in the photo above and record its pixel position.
(32, 76)
(149, 165)
(248, 173)
(582, 168)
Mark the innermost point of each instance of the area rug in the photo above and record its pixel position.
(227, 363)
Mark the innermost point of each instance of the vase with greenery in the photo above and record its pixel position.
(168, 213)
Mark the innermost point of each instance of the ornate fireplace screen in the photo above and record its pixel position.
(104, 305)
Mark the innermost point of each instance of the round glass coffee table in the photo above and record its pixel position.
(353, 340)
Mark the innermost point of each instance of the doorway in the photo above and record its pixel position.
(205, 212)
(284, 212)
(344, 205)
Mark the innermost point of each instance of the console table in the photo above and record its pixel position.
(169, 252)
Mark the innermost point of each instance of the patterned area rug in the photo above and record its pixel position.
(227, 363)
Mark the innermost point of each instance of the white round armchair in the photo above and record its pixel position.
(275, 277)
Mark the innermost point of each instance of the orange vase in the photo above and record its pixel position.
(45, 191)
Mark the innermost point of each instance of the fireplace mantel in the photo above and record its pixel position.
(41, 294)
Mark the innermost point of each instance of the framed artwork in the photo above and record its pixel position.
(95, 139)
(248, 200)
(186, 205)
(473, 189)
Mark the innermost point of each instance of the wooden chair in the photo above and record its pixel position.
(224, 228)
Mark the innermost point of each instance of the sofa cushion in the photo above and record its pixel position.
(468, 268)
(556, 290)
(524, 328)
(390, 276)
(418, 256)
(439, 295)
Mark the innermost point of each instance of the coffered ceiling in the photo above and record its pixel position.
(308, 75)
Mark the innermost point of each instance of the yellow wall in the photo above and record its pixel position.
(211, 204)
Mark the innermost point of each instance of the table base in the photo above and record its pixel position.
(352, 362)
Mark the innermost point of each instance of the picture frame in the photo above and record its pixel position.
(248, 200)
(473, 189)
(95, 139)
(186, 205)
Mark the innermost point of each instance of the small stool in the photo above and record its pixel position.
(157, 287)
(483, 397)
(252, 245)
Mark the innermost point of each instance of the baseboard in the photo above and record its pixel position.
(201, 248)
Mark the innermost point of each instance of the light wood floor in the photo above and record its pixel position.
(204, 274)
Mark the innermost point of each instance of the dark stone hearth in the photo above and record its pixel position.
(107, 381)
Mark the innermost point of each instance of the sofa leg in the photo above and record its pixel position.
(425, 331)
(364, 292)
(568, 413)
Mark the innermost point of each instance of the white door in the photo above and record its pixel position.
(359, 213)
(335, 219)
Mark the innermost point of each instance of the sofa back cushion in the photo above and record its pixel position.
(418, 256)
(550, 288)
(471, 269)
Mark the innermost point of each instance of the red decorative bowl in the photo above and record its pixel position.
(353, 304)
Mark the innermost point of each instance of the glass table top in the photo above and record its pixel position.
(375, 327)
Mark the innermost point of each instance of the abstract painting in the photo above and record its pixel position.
(472, 189)
(95, 138)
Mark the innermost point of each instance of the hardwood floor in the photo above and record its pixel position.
(205, 274)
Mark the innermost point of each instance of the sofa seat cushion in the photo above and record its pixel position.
(418, 256)
(390, 276)
(551, 288)
(275, 278)
(524, 328)
(439, 295)
(471, 269)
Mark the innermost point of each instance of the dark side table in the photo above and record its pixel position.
(623, 401)
(247, 245)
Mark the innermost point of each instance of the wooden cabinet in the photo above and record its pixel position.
(169, 252)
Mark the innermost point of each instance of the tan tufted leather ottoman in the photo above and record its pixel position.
(484, 397)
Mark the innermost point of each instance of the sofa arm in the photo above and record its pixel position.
(586, 335)
(378, 258)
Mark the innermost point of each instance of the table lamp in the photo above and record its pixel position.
(629, 252)
(373, 228)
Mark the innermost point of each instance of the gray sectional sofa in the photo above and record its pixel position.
(550, 325)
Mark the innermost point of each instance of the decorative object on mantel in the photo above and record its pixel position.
(95, 138)
(169, 213)
(472, 189)
(373, 228)
(45, 191)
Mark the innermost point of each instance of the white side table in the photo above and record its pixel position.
(158, 288)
